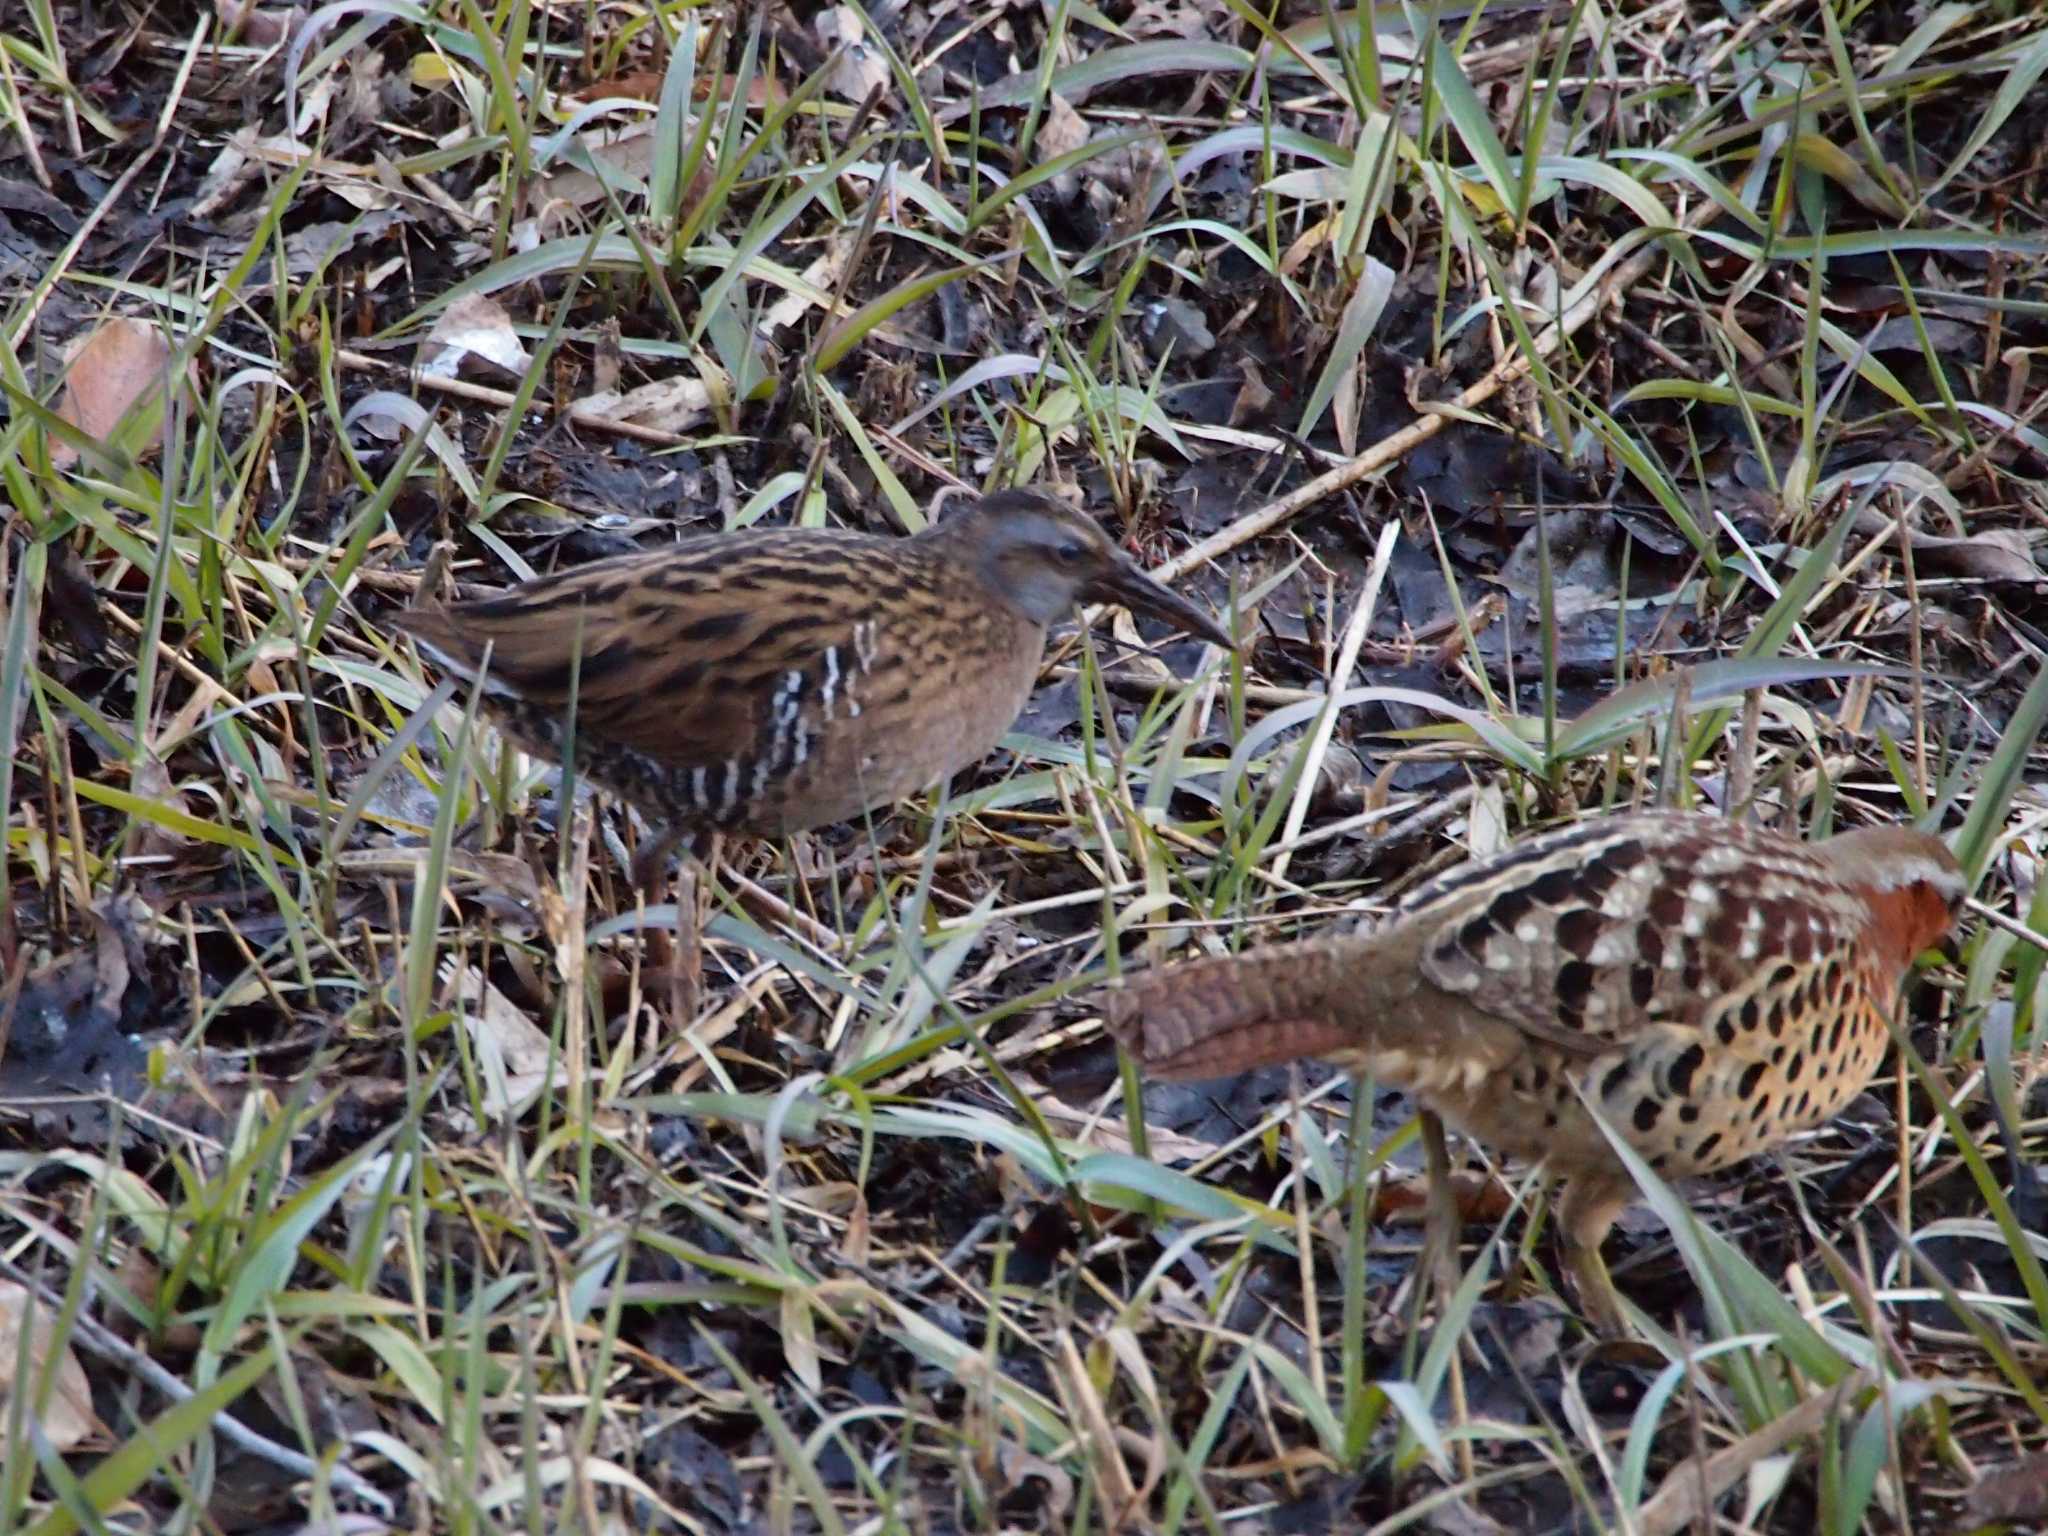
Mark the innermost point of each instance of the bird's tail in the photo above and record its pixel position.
(1232, 1013)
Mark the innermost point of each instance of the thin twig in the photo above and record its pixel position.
(1397, 444)
(2011, 925)
(1913, 644)
(1340, 670)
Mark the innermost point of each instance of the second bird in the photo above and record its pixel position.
(1711, 988)
(776, 680)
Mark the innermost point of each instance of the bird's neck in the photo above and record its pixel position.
(1904, 920)
(955, 534)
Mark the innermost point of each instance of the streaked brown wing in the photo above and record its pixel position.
(1620, 926)
(688, 654)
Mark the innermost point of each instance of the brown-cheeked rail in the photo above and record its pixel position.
(1711, 987)
(775, 680)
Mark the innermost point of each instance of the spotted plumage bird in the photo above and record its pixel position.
(776, 680)
(1712, 988)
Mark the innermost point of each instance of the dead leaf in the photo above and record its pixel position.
(152, 780)
(1486, 825)
(800, 1339)
(474, 326)
(628, 157)
(1254, 398)
(1996, 554)
(1108, 1134)
(667, 405)
(861, 69)
(1062, 131)
(1172, 327)
(256, 26)
(67, 1417)
(72, 599)
(854, 1244)
(111, 370)
(512, 1050)
(821, 276)
(315, 245)
(504, 880)
(764, 90)
(1019, 1466)
(1690, 1489)
(634, 85)
(1401, 1199)
(62, 1024)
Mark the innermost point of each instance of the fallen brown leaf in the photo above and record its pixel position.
(633, 85)
(861, 68)
(1062, 131)
(112, 370)
(66, 1416)
(669, 405)
(1996, 554)
(474, 326)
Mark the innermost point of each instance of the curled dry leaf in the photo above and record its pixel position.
(234, 165)
(1173, 327)
(823, 275)
(111, 370)
(1062, 131)
(502, 881)
(666, 405)
(63, 1029)
(763, 90)
(1254, 397)
(621, 158)
(152, 780)
(862, 68)
(1106, 1135)
(854, 1243)
(308, 250)
(1340, 778)
(633, 85)
(1019, 1466)
(513, 1050)
(66, 1416)
(1996, 554)
(474, 326)
(256, 26)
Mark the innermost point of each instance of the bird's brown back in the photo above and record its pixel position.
(768, 681)
(1713, 988)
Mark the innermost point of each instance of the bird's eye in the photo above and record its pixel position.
(1069, 552)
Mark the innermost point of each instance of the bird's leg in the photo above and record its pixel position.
(1442, 1221)
(1585, 1215)
(692, 895)
(1440, 1264)
(650, 863)
(686, 964)
(648, 874)
(681, 960)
